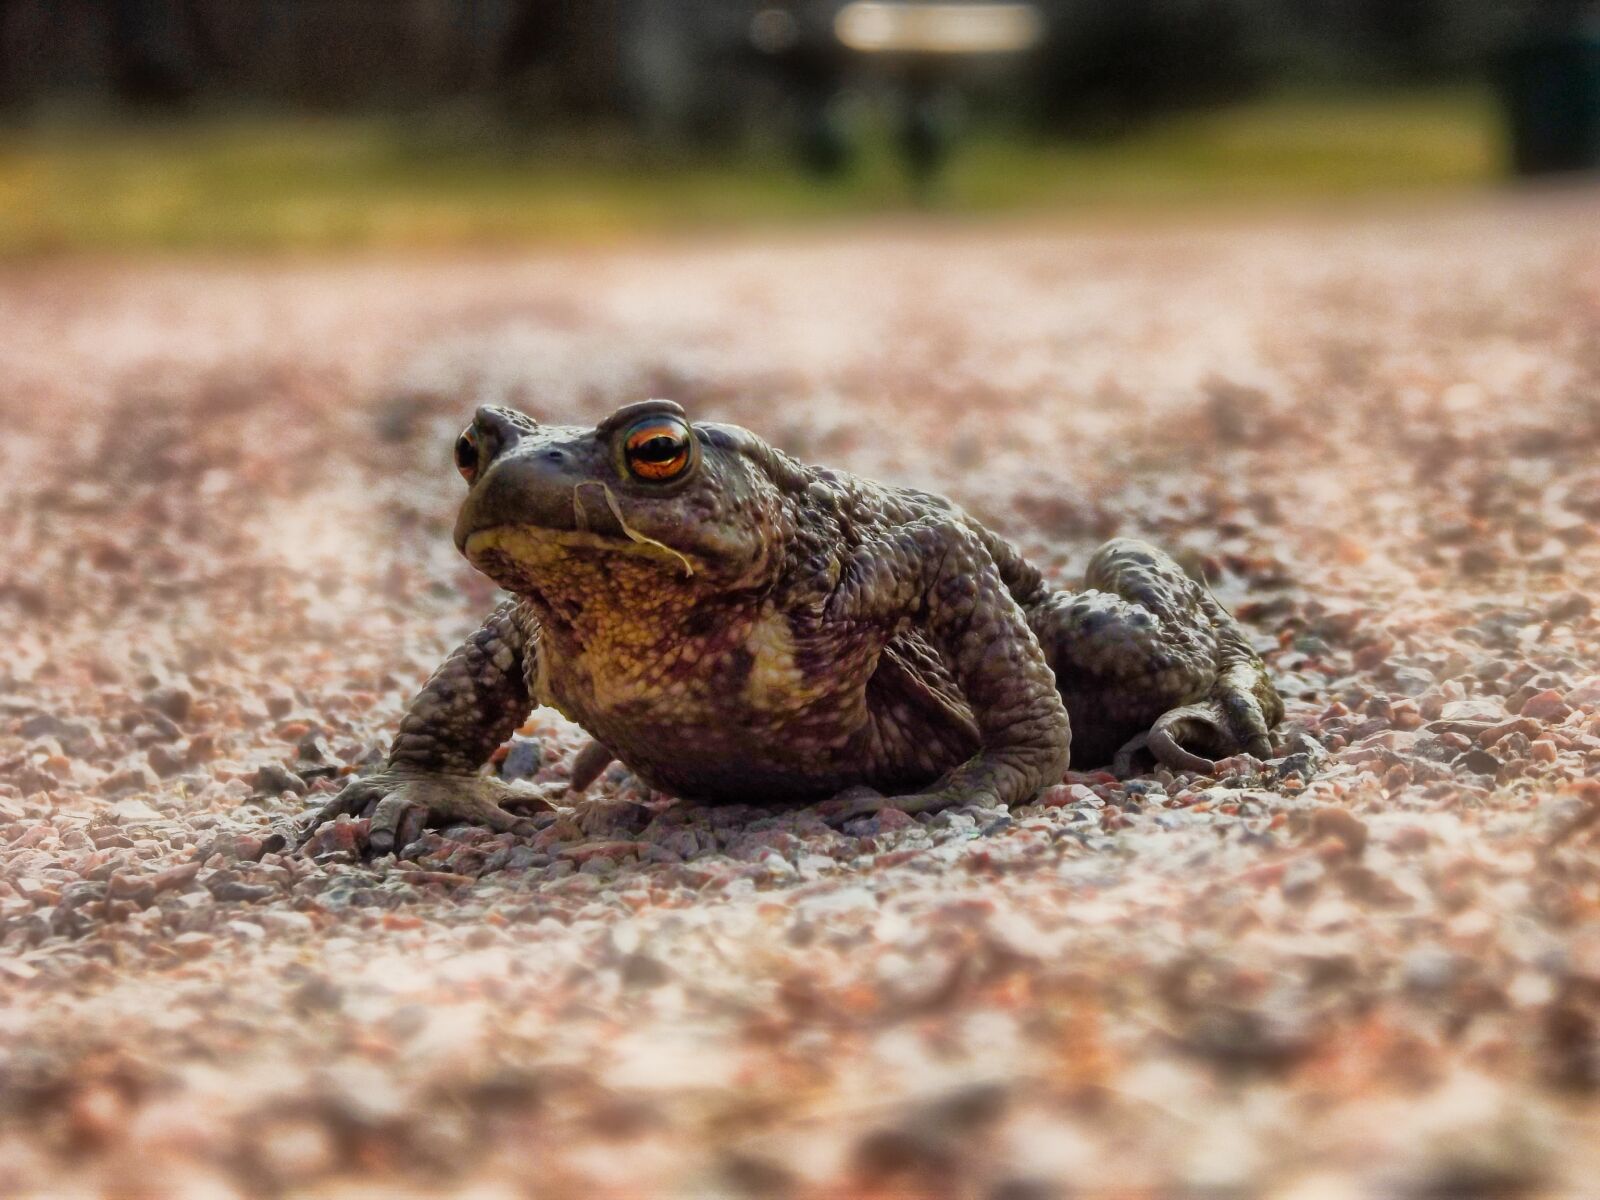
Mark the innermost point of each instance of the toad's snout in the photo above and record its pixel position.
(519, 474)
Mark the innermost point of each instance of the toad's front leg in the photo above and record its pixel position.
(934, 575)
(472, 703)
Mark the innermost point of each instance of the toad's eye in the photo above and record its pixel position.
(658, 448)
(467, 454)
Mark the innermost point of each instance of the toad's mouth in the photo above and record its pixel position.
(526, 550)
(532, 526)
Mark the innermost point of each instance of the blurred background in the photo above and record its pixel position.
(258, 123)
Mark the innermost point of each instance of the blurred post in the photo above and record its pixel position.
(926, 129)
(924, 41)
(1550, 85)
(800, 50)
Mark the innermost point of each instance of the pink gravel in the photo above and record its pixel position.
(1367, 969)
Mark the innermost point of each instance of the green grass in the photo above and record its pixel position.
(334, 182)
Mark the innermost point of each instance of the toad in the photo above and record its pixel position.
(733, 625)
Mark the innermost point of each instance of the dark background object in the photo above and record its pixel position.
(1550, 84)
(1104, 64)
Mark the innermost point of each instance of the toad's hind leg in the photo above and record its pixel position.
(1145, 658)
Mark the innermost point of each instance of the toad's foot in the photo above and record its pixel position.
(863, 801)
(1146, 650)
(1194, 736)
(401, 803)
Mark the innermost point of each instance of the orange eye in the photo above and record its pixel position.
(467, 454)
(657, 448)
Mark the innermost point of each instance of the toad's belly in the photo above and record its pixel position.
(795, 762)
(727, 745)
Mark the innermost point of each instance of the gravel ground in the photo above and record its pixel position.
(1371, 967)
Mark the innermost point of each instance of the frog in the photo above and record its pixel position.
(734, 626)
